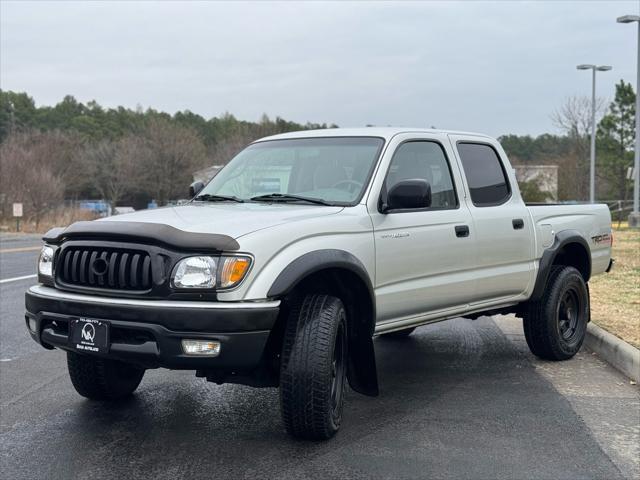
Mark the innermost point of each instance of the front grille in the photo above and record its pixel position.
(108, 268)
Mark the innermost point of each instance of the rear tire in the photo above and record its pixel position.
(313, 368)
(556, 324)
(399, 334)
(101, 379)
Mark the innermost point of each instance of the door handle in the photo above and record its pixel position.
(462, 231)
(518, 223)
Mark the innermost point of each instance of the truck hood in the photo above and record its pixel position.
(232, 219)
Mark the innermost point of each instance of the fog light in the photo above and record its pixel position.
(201, 347)
(32, 325)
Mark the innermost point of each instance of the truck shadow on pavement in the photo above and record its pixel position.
(457, 401)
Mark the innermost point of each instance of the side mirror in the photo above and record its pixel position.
(415, 193)
(195, 188)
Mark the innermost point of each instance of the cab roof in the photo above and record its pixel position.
(383, 132)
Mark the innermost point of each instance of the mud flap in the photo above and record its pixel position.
(362, 373)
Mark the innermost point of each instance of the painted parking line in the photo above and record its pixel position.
(20, 249)
(17, 279)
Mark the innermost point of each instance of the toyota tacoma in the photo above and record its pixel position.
(281, 270)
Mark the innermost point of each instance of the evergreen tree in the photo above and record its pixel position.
(615, 140)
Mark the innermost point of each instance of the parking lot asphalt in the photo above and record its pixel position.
(459, 399)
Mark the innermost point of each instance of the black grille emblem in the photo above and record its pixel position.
(99, 267)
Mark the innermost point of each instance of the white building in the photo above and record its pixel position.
(546, 176)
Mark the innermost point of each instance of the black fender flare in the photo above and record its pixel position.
(315, 261)
(362, 374)
(561, 239)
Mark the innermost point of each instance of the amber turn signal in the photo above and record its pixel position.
(233, 270)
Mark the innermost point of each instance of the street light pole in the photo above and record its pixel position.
(592, 160)
(592, 164)
(634, 217)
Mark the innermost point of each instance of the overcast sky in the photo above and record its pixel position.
(493, 67)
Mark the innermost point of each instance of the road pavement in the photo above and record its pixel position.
(459, 399)
(19, 254)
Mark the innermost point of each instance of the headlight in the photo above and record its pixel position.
(45, 262)
(210, 272)
(195, 272)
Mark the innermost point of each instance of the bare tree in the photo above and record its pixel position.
(27, 172)
(229, 147)
(115, 166)
(44, 191)
(574, 116)
(574, 119)
(58, 151)
(172, 155)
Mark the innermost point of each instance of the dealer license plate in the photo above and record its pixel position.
(89, 335)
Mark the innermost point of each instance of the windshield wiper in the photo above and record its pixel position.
(206, 197)
(287, 197)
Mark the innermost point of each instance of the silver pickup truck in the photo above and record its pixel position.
(281, 270)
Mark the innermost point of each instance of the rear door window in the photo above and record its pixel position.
(485, 174)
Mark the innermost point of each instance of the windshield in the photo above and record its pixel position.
(332, 170)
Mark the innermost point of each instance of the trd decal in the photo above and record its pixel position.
(604, 238)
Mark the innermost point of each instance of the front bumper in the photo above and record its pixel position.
(149, 332)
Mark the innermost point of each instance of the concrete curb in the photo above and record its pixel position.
(618, 353)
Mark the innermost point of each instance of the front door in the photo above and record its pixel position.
(424, 257)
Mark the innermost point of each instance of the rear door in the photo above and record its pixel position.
(502, 227)
(422, 265)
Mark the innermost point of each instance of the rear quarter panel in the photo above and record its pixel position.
(593, 221)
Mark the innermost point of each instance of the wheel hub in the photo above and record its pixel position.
(568, 311)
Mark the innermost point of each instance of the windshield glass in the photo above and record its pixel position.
(334, 170)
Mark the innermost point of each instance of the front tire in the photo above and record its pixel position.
(313, 368)
(555, 325)
(102, 379)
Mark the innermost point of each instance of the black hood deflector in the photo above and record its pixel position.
(142, 232)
